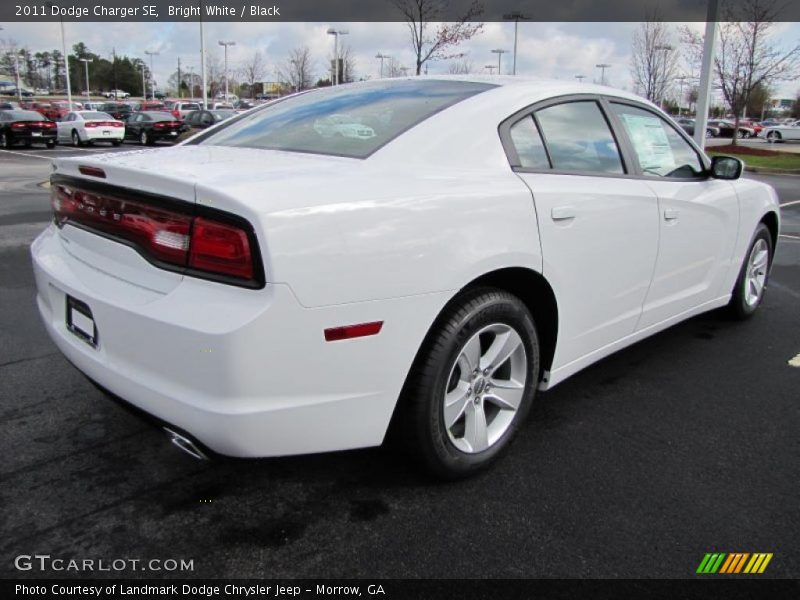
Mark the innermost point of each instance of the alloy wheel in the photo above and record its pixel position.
(485, 388)
(756, 275)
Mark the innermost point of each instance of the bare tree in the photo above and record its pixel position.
(653, 59)
(437, 41)
(296, 71)
(348, 73)
(747, 58)
(254, 69)
(461, 67)
(393, 68)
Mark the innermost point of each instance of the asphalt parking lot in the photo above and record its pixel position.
(684, 444)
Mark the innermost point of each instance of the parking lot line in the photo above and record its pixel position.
(24, 154)
(792, 203)
(791, 237)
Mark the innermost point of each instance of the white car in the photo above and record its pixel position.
(781, 133)
(342, 126)
(117, 94)
(87, 127)
(265, 290)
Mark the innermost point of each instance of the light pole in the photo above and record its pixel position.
(603, 67)
(381, 57)
(86, 62)
(151, 54)
(191, 82)
(491, 69)
(515, 16)
(66, 56)
(706, 74)
(225, 45)
(580, 78)
(19, 85)
(144, 86)
(682, 79)
(499, 53)
(336, 33)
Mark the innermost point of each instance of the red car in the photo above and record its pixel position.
(151, 106)
(752, 124)
(59, 109)
(40, 107)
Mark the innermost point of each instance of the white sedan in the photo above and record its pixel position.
(86, 127)
(264, 289)
(781, 133)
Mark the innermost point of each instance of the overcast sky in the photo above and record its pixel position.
(560, 50)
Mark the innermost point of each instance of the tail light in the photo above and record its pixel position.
(176, 113)
(91, 125)
(19, 126)
(116, 124)
(160, 125)
(48, 125)
(215, 245)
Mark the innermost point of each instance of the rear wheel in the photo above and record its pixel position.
(51, 144)
(709, 133)
(76, 139)
(472, 384)
(116, 143)
(741, 134)
(144, 139)
(753, 276)
(5, 140)
(774, 136)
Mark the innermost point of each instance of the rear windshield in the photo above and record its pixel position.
(95, 116)
(190, 106)
(25, 115)
(348, 120)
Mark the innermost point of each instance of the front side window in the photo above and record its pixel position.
(347, 120)
(660, 150)
(579, 138)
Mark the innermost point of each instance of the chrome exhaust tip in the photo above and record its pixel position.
(185, 444)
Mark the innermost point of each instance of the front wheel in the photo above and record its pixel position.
(5, 141)
(753, 276)
(473, 383)
(144, 139)
(709, 133)
(774, 136)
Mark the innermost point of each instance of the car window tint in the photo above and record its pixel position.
(578, 138)
(528, 144)
(347, 120)
(659, 148)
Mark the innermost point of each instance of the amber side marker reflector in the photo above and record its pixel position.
(334, 334)
(93, 171)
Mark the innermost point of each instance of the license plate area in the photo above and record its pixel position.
(81, 322)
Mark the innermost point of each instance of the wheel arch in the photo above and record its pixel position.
(770, 219)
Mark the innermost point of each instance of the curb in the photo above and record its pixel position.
(772, 171)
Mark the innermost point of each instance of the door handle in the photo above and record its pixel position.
(670, 214)
(562, 213)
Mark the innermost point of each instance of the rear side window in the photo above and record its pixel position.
(347, 120)
(660, 150)
(528, 144)
(579, 139)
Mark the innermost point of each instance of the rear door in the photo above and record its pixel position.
(698, 215)
(598, 226)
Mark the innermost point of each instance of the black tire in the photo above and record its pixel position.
(144, 139)
(76, 139)
(709, 133)
(116, 143)
(421, 408)
(738, 306)
(5, 140)
(774, 136)
(50, 145)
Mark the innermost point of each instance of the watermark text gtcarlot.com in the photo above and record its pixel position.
(45, 562)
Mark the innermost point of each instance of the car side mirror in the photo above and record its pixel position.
(726, 167)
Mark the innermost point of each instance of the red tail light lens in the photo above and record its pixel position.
(19, 126)
(115, 124)
(91, 125)
(175, 239)
(220, 248)
(48, 125)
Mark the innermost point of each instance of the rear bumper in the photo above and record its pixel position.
(247, 373)
(98, 135)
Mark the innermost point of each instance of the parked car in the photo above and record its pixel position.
(201, 119)
(342, 125)
(150, 127)
(782, 133)
(116, 94)
(41, 92)
(180, 109)
(159, 95)
(242, 105)
(86, 126)
(688, 126)
(12, 91)
(26, 127)
(220, 106)
(92, 105)
(297, 292)
(58, 110)
(44, 108)
(119, 110)
(756, 126)
(152, 105)
(10, 106)
(727, 128)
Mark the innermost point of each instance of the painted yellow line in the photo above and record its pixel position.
(765, 563)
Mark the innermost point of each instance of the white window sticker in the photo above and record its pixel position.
(650, 142)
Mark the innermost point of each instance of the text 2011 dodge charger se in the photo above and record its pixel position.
(263, 289)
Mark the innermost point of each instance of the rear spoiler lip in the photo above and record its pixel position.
(184, 207)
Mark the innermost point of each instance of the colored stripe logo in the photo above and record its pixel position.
(734, 563)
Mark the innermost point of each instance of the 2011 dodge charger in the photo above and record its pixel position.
(267, 289)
